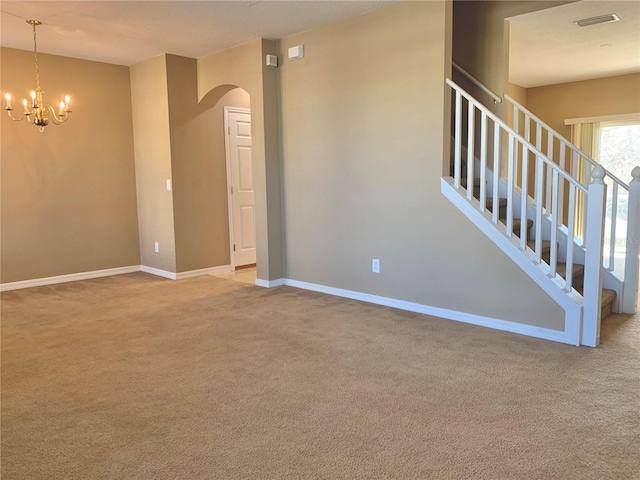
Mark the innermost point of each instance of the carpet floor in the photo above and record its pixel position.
(136, 377)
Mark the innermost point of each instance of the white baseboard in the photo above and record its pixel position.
(489, 322)
(158, 272)
(529, 330)
(72, 277)
(203, 271)
(270, 283)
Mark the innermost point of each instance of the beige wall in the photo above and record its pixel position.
(481, 42)
(363, 146)
(153, 163)
(183, 142)
(199, 167)
(349, 146)
(518, 93)
(589, 98)
(243, 66)
(68, 194)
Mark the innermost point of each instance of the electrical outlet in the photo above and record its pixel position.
(375, 265)
(156, 247)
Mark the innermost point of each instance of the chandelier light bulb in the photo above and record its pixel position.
(38, 113)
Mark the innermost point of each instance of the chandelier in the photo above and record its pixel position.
(36, 112)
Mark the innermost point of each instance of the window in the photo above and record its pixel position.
(617, 148)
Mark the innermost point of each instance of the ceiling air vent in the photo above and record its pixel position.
(585, 22)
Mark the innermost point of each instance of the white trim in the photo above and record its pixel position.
(158, 272)
(504, 325)
(226, 134)
(570, 302)
(497, 324)
(203, 271)
(270, 283)
(72, 277)
(603, 118)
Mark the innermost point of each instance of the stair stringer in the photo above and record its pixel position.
(570, 302)
(609, 279)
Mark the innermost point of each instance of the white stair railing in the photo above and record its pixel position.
(496, 98)
(578, 165)
(516, 161)
(497, 147)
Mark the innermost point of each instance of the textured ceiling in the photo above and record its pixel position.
(128, 32)
(548, 48)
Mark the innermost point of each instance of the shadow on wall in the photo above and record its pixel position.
(212, 98)
(198, 167)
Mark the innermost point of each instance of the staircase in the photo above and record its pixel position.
(548, 217)
(577, 274)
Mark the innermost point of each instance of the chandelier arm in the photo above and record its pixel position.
(57, 119)
(37, 113)
(14, 118)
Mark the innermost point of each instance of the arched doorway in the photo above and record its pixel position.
(233, 178)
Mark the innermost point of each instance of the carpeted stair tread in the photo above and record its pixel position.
(577, 269)
(516, 226)
(545, 245)
(502, 203)
(608, 296)
(464, 182)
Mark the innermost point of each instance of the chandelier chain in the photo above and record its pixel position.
(35, 55)
(37, 112)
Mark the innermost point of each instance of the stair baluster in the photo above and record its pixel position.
(593, 260)
(550, 204)
(630, 290)
(581, 165)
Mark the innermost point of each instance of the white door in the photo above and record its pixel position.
(240, 178)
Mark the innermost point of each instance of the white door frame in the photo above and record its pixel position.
(227, 155)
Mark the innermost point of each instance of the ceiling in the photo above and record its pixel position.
(546, 47)
(128, 32)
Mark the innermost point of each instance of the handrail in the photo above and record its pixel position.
(494, 97)
(567, 142)
(517, 136)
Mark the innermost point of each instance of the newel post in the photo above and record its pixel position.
(629, 300)
(594, 240)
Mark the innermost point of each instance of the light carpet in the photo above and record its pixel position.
(136, 377)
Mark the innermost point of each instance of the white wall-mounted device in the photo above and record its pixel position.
(296, 52)
(271, 60)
